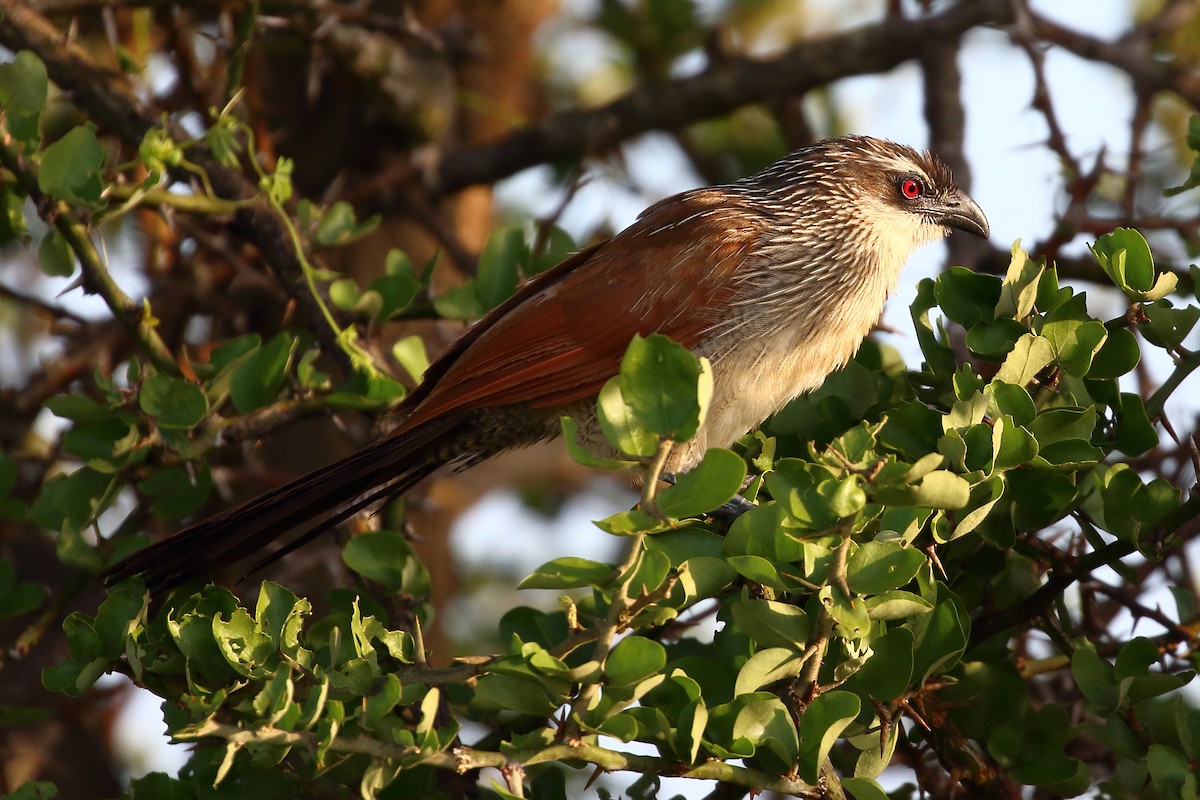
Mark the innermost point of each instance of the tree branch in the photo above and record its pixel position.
(96, 278)
(110, 100)
(568, 135)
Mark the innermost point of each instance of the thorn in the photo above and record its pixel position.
(595, 774)
(931, 551)
(912, 712)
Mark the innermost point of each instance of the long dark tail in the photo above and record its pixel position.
(310, 505)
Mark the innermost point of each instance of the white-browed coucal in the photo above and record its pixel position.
(776, 278)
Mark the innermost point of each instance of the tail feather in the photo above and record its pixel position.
(315, 502)
(393, 488)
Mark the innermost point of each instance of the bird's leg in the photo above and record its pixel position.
(732, 509)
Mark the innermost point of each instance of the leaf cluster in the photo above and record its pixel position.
(892, 518)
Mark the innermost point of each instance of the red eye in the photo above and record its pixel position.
(911, 188)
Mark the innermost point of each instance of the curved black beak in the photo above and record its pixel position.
(958, 210)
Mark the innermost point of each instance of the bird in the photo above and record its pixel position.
(775, 278)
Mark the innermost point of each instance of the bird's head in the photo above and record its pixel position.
(864, 197)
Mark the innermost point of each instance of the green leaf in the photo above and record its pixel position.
(1012, 445)
(24, 87)
(877, 755)
(879, 566)
(823, 722)
(79, 408)
(691, 721)
(995, 339)
(912, 429)
(623, 428)
(568, 572)
(805, 491)
(966, 412)
(344, 294)
(984, 496)
(72, 501)
(1049, 294)
(1045, 497)
(701, 577)
(278, 185)
(1031, 746)
(1030, 355)
(941, 635)
(74, 677)
(176, 492)
(897, 604)
(243, 644)
(556, 247)
(460, 302)
(624, 523)
(759, 570)
(685, 543)
(34, 790)
(938, 355)
(1060, 424)
(158, 151)
(761, 532)
(257, 380)
(665, 386)
(223, 138)
(1171, 772)
(849, 613)
(504, 253)
(848, 498)
(1019, 290)
(1135, 433)
(773, 624)
(410, 353)
(1168, 326)
(1118, 355)
(14, 228)
(768, 666)
(706, 486)
(634, 659)
(1125, 257)
(386, 558)
(650, 572)
(70, 168)
(338, 225)
(516, 693)
(229, 352)
(307, 373)
(173, 402)
(886, 674)
(105, 445)
(942, 489)
(967, 297)
(864, 788)
(376, 707)
(397, 287)
(190, 625)
(119, 612)
(763, 721)
(17, 597)
(279, 614)
(55, 256)
(1075, 336)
